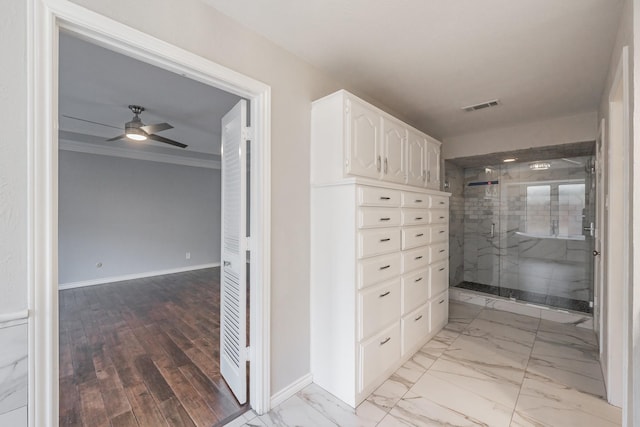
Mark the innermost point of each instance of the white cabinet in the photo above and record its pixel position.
(376, 281)
(416, 159)
(394, 150)
(354, 138)
(433, 164)
(364, 144)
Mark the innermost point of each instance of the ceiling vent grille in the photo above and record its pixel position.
(482, 106)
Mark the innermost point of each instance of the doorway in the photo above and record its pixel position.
(45, 397)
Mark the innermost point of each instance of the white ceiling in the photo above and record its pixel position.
(428, 58)
(98, 84)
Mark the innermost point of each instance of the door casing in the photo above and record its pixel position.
(45, 19)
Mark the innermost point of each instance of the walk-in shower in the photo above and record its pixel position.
(523, 230)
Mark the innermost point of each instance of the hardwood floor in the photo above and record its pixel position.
(144, 353)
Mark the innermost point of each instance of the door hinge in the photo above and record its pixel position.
(247, 133)
(247, 353)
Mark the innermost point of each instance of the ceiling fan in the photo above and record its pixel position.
(138, 131)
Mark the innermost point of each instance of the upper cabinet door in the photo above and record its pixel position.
(433, 165)
(394, 150)
(363, 139)
(416, 159)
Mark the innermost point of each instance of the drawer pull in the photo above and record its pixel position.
(386, 340)
(418, 218)
(385, 294)
(385, 219)
(384, 267)
(385, 240)
(441, 217)
(418, 257)
(420, 235)
(441, 301)
(442, 250)
(441, 231)
(418, 201)
(442, 203)
(417, 280)
(385, 198)
(417, 318)
(441, 269)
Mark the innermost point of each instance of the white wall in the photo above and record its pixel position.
(13, 212)
(134, 216)
(559, 130)
(625, 37)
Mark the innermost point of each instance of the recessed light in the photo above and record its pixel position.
(509, 160)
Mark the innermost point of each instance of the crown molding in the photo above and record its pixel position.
(88, 148)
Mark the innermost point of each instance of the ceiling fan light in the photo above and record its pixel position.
(135, 134)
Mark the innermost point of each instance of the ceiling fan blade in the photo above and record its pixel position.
(117, 138)
(167, 141)
(158, 127)
(91, 121)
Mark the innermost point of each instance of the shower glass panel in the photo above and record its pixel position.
(527, 232)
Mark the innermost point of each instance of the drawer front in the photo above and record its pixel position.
(439, 233)
(438, 217)
(378, 269)
(415, 200)
(415, 216)
(378, 217)
(378, 354)
(439, 202)
(438, 277)
(379, 306)
(378, 242)
(374, 196)
(414, 237)
(438, 252)
(415, 328)
(415, 290)
(439, 310)
(414, 259)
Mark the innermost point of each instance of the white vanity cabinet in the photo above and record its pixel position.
(379, 245)
(377, 280)
(357, 139)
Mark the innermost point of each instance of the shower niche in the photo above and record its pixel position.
(523, 230)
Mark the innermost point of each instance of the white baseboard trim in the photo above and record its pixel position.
(105, 280)
(291, 389)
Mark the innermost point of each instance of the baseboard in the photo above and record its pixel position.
(105, 280)
(291, 389)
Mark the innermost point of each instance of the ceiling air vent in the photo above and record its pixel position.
(476, 107)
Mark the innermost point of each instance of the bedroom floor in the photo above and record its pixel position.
(487, 367)
(144, 352)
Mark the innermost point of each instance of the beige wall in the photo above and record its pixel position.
(559, 130)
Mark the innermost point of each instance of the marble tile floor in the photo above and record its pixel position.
(486, 368)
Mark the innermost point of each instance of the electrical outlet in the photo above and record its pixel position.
(188, 255)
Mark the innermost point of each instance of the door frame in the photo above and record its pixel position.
(45, 19)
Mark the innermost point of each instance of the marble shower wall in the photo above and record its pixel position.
(527, 250)
(13, 374)
(481, 215)
(454, 182)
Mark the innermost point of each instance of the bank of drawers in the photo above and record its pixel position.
(402, 269)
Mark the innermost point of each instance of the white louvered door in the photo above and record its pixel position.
(233, 272)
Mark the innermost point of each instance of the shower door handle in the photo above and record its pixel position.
(591, 228)
(493, 230)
